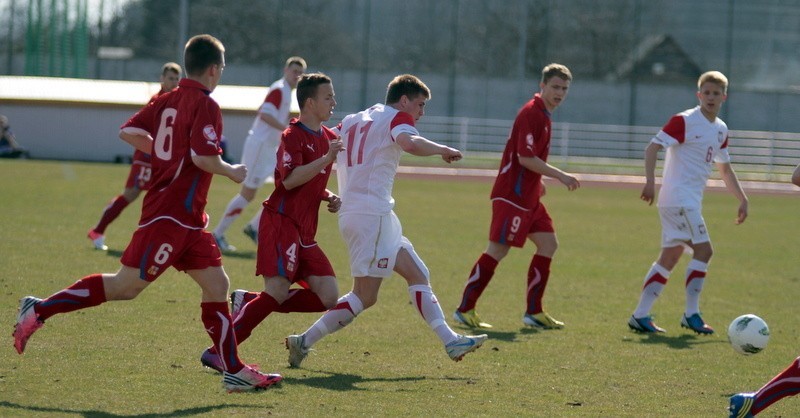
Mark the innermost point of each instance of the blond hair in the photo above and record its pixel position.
(556, 70)
(715, 77)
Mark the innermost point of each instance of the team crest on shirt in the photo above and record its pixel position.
(287, 159)
(153, 270)
(383, 263)
(210, 133)
(529, 141)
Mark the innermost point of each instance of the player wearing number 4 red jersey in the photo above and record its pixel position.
(183, 129)
(695, 139)
(375, 139)
(517, 211)
(140, 174)
(287, 248)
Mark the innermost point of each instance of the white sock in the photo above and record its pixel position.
(654, 282)
(234, 209)
(345, 311)
(695, 277)
(256, 219)
(424, 300)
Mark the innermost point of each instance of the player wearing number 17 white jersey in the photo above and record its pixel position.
(694, 139)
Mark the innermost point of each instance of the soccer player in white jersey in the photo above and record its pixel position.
(374, 140)
(260, 149)
(694, 139)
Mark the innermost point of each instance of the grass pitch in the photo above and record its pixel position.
(141, 358)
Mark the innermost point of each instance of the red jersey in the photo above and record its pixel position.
(141, 155)
(184, 122)
(530, 137)
(299, 146)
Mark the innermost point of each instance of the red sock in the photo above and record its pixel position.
(480, 276)
(110, 213)
(783, 385)
(84, 293)
(252, 314)
(538, 273)
(217, 320)
(301, 300)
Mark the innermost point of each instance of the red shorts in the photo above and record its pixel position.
(511, 224)
(139, 176)
(281, 252)
(164, 243)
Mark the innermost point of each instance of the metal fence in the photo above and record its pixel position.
(617, 149)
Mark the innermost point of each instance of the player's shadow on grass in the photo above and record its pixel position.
(678, 342)
(238, 254)
(199, 410)
(348, 382)
(507, 336)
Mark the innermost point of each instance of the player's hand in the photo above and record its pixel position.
(570, 181)
(544, 189)
(648, 193)
(237, 172)
(334, 203)
(335, 146)
(451, 154)
(742, 213)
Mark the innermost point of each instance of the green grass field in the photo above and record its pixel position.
(140, 358)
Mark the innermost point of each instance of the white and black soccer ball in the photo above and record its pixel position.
(748, 334)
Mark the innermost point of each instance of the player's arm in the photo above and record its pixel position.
(650, 159)
(334, 201)
(272, 121)
(139, 138)
(537, 165)
(214, 164)
(422, 147)
(733, 185)
(302, 174)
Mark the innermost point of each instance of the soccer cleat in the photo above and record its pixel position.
(211, 360)
(470, 318)
(297, 353)
(251, 233)
(645, 325)
(223, 245)
(98, 240)
(741, 404)
(27, 322)
(696, 324)
(542, 320)
(463, 345)
(248, 379)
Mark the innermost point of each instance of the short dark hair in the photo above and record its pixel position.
(556, 70)
(201, 52)
(406, 85)
(296, 60)
(307, 86)
(171, 66)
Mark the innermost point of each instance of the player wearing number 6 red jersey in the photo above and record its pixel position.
(518, 214)
(140, 173)
(374, 141)
(183, 129)
(695, 139)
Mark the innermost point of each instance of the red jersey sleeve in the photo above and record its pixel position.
(274, 97)
(529, 131)
(291, 152)
(206, 129)
(401, 119)
(676, 128)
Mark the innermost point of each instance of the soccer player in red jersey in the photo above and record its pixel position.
(287, 248)
(183, 130)
(517, 211)
(139, 176)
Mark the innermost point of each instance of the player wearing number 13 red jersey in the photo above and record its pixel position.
(183, 129)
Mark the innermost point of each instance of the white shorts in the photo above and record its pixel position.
(680, 225)
(259, 156)
(373, 242)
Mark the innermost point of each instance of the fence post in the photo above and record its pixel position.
(565, 143)
(463, 134)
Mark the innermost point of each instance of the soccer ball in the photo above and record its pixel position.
(748, 334)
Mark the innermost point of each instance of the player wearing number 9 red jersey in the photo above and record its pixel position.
(139, 175)
(183, 130)
(694, 139)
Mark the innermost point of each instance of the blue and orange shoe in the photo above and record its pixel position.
(696, 324)
(645, 325)
(741, 404)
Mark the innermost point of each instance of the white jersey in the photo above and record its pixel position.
(277, 104)
(693, 144)
(366, 169)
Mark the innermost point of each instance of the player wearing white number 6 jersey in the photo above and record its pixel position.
(183, 129)
(694, 139)
(374, 141)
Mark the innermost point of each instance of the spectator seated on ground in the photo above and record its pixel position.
(9, 148)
